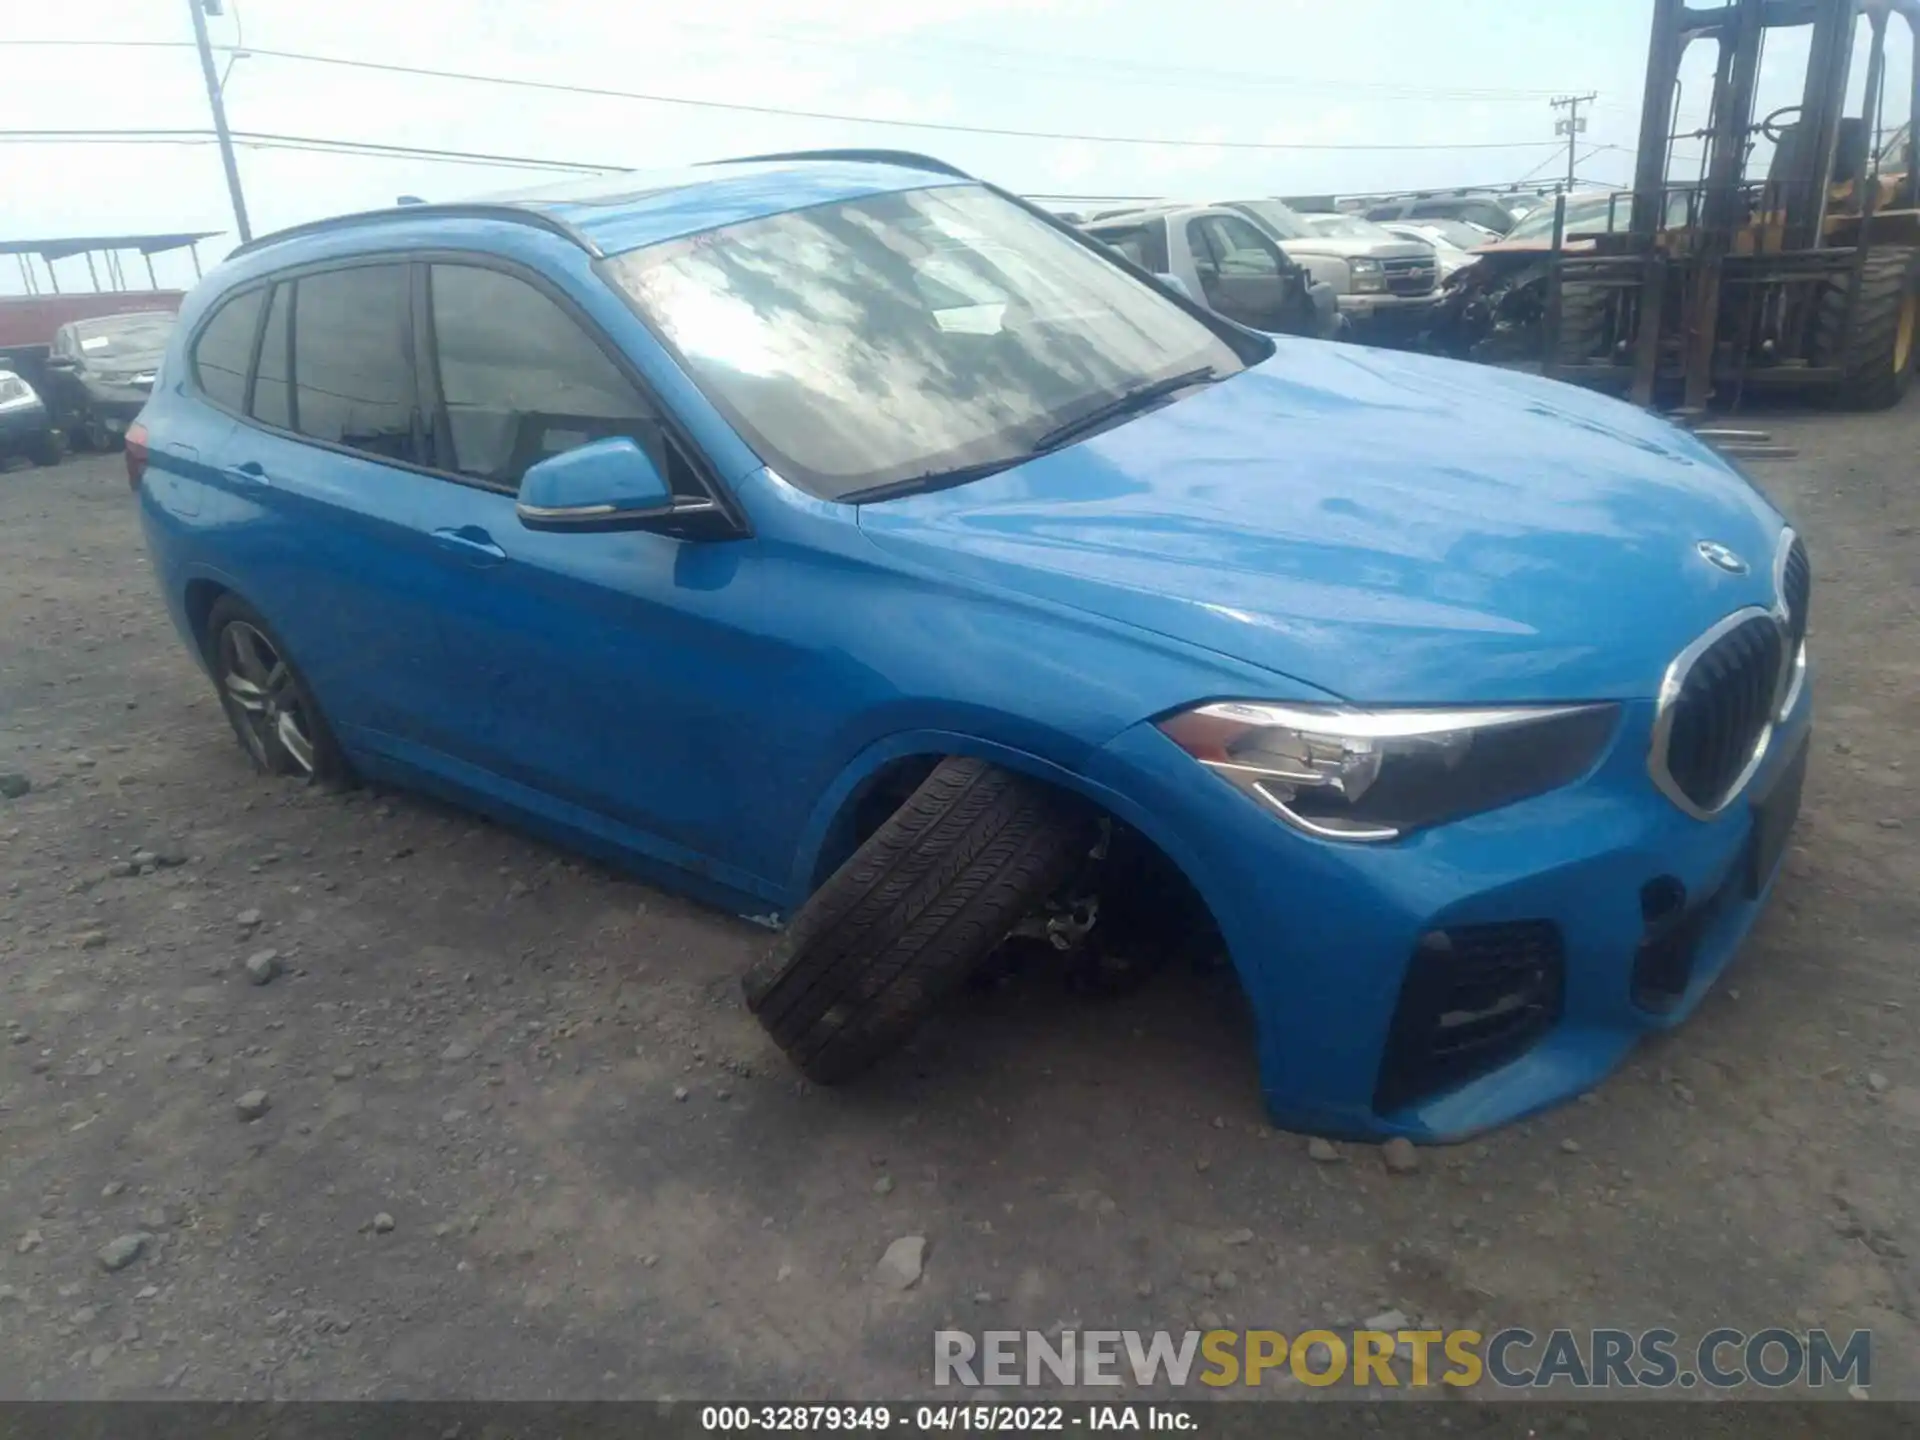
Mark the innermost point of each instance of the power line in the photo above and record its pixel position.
(790, 113)
(785, 112)
(316, 144)
(1136, 72)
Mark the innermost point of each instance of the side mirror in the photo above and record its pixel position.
(62, 362)
(1175, 283)
(606, 485)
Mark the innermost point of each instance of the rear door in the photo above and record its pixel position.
(1243, 273)
(325, 496)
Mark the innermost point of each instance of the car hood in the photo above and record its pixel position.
(1349, 246)
(1387, 528)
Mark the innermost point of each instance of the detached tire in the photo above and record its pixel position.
(50, 447)
(1879, 360)
(1584, 325)
(912, 914)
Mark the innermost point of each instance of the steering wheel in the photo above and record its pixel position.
(1771, 126)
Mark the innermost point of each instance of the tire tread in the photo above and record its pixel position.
(914, 910)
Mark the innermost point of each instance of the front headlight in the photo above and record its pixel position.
(1347, 774)
(1368, 276)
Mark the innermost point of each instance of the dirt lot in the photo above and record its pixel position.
(523, 1140)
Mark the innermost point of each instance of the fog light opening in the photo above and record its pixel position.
(1662, 901)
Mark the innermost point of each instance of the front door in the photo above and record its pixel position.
(614, 675)
(1243, 273)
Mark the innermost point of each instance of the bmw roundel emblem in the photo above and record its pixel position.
(1721, 558)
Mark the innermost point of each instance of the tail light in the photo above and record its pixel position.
(136, 453)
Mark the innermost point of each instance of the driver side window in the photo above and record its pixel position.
(1206, 260)
(1243, 250)
(1240, 270)
(521, 381)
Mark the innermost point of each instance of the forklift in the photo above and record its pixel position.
(1804, 280)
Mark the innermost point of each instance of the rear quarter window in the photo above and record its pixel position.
(1144, 245)
(224, 350)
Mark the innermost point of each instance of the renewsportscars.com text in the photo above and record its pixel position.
(1513, 1358)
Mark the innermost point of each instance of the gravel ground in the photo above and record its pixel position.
(490, 1121)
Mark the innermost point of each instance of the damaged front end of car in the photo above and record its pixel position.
(1493, 311)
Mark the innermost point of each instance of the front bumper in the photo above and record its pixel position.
(1402, 314)
(117, 406)
(1326, 935)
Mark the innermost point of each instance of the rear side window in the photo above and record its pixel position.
(225, 348)
(272, 388)
(1144, 245)
(353, 361)
(521, 380)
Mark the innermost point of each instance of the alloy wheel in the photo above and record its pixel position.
(258, 684)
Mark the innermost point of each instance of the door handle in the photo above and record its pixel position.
(471, 543)
(252, 473)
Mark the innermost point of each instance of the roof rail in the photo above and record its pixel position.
(519, 214)
(908, 159)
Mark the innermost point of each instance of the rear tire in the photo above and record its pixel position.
(912, 914)
(1879, 361)
(267, 701)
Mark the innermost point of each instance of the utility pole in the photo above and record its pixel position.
(200, 10)
(1574, 126)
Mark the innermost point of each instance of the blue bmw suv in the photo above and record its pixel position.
(846, 541)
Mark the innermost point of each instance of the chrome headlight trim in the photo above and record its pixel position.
(1359, 744)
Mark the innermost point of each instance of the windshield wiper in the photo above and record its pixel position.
(931, 480)
(1137, 398)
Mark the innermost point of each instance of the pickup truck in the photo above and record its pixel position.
(1387, 287)
(1226, 263)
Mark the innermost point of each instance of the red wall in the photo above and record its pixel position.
(32, 319)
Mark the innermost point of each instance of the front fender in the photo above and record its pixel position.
(823, 841)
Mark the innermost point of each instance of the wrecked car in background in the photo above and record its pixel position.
(840, 539)
(100, 373)
(1453, 241)
(26, 428)
(1495, 312)
(1498, 211)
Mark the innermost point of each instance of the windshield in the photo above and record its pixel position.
(1893, 155)
(118, 337)
(873, 341)
(1589, 215)
(1432, 239)
(1347, 227)
(1281, 220)
(1459, 234)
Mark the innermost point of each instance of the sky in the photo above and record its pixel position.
(1449, 91)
